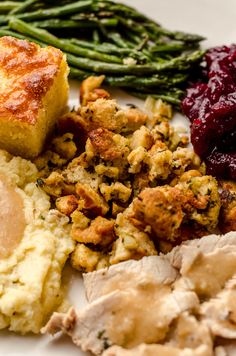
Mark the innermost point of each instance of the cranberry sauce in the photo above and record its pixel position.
(211, 108)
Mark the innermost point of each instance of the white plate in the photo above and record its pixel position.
(214, 19)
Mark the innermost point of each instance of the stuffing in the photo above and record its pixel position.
(161, 131)
(228, 207)
(116, 191)
(141, 138)
(80, 161)
(107, 114)
(75, 173)
(172, 137)
(133, 119)
(157, 111)
(67, 204)
(169, 210)
(140, 182)
(85, 259)
(110, 150)
(56, 185)
(90, 91)
(75, 124)
(161, 208)
(136, 158)
(107, 145)
(184, 158)
(206, 201)
(79, 220)
(72, 122)
(48, 162)
(116, 209)
(109, 163)
(159, 161)
(53, 184)
(100, 232)
(91, 200)
(102, 113)
(107, 171)
(65, 146)
(132, 243)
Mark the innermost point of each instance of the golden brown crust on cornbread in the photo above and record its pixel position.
(31, 97)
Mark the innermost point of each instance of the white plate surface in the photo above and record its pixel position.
(215, 19)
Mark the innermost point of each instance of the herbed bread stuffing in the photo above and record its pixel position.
(128, 181)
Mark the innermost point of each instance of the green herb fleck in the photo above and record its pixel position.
(39, 182)
(100, 334)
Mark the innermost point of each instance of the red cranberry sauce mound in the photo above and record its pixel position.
(211, 107)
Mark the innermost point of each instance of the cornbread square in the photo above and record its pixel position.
(33, 94)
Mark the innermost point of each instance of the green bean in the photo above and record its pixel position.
(100, 67)
(49, 13)
(107, 47)
(106, 37)
(109, 22)
(119, 8)
(172, 47)
(57, 11)
(46, 37)
(23, 6)
(78, 74)
(57, 23)
(168, 97)
(133, 81)
(6, 6)
(180, 63)
(4, 32)
(176, 35)
(117, 39)
(150, 25)
(147, 82)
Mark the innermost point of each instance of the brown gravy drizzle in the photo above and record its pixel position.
(12, 218)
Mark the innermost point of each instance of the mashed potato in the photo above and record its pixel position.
(30, 263)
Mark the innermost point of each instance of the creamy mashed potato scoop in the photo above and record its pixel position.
(34, 245)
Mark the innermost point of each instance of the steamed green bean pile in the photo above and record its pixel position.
(107, 37)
